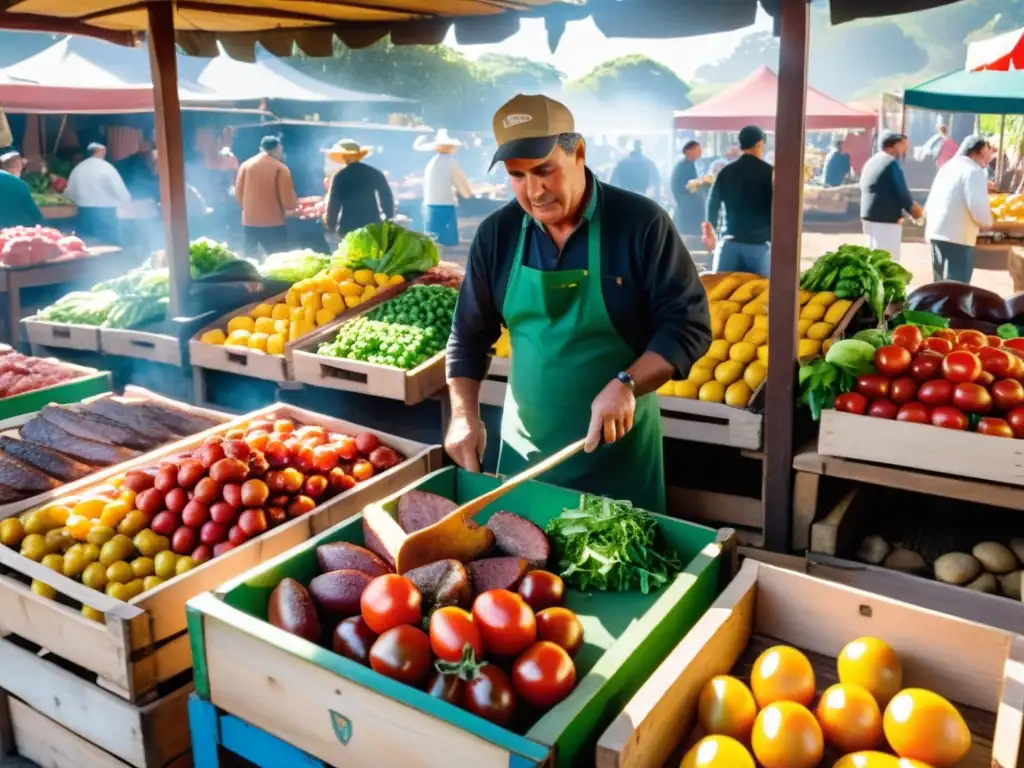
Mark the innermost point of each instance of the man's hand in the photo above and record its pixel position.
(466, 441)
(708, 236)
(611, 415)
(917, 212)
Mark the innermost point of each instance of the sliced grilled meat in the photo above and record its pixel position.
(24, 477)
(10, 495)
(134, 415)
(178, 419)
(92, 426)
(41, 431)
(54, 463)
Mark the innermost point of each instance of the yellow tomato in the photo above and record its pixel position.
(311, 301)
(350, 288)
(381, 279)
(258, 341)
(339, 274)
(687, 389)
(239, 338)
(726, 707)
(786, 735)
(264, 325)
(396, 280)
(261, 310)
(281, 311)
(850, 718)
(240, 323)
(352, 301)
(712, 392)
(275, 344)
(113, 513)
(718, 752)
(363, 276)
(325, 316)
(333, 302)
(873, 665)
(90, 508)
(923, 726)
(868, 759)
(216, 336)
(782, 673)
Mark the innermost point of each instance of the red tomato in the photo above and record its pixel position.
(450, 688)
(909, 337)
(918, 413)
(925, 366)
(1017, 344)
(968, 348)
(506, 623)
(873, 385)
(544, 675)
(944, 333)
(451, 630)
(883, 409)
(490, 695)
(902, 390)
(936, 392)
(970, 336)
(994, 341)
(998, 362)
(934, 344)
(985, 379)
(972, 398)
(893, 360)
(994, 427)
(1007, 394)
(403, 654)
(948, 418)
(1016, 420)
(852, 402)
(542, 589)
(560, 626)
(388, 601)
(961, 366)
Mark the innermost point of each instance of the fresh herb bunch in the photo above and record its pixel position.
(605, 544)
(206, 257)
(822, 380)
(853, 271)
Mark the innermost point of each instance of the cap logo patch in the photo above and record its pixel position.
(511, 120)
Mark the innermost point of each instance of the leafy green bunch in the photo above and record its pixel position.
(853, 271)
(386, 248)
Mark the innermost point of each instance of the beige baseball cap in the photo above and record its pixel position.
(527, 127)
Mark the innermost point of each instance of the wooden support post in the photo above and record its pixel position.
(170, 149)
(783, 304)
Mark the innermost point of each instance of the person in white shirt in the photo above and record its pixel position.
(442, 179)
(98, 190)
(957, 209)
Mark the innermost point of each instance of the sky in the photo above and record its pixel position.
(583, 47)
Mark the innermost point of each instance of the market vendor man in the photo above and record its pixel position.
(603, 305)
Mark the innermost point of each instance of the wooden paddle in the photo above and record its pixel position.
(451, 536)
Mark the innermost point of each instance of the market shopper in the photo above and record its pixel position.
(957, 208)
(443, 182)
(688, 191)
(637, 173)
(941, 146)
(98, 190)
(885, 197)
(837, 166)
(744, 188)
(603, 305)
(17, 208)
(265, 193)
(359, 194)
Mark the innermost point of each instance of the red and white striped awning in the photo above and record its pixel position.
(1002, 53)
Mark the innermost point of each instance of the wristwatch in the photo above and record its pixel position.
(626, 379)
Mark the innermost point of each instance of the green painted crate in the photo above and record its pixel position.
(92, 382)
(348, 715)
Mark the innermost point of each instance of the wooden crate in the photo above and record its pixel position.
(979, 669)
(144, 641)
(685, 419)
(89, 382)
(927, 448)
(59, 718)
(44, 333)
(143, 345)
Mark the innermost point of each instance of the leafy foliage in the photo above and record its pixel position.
(634, 76)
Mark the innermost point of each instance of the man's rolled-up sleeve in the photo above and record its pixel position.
(477, 322)
(680, 319)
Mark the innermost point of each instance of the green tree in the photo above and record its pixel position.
(518, 73)
(634, 77)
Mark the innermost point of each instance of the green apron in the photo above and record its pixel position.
(565, 350)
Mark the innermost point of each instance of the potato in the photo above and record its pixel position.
(907, 561)
(873, 549)
(985, 583)
(1011, 584)
(1017, 545)
(994, 557)
(957, 568)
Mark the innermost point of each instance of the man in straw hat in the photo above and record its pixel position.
(442, 179)
(359, 193)
(603, 304)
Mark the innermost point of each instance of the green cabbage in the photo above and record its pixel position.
(292, 266)
(388, 248)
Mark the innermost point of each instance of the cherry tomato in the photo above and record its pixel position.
(506, 623)
(934, 344)
(961, 366)
(994, 341)
(909, 337)
(560, 626)
(353, 639)
(936, 392)
(988, 425)
(917, 413)
(944, 333)
(388, 601)
(925, 366)
(948, 418)
(403, 654)
(873, 386)
(902, 390)
(542, 589)
(972, 398)
(883, 409)
(544, 675)
(970, 336)
(998, 362)
(362, 470)
(1017, 344)
(450, 688)
(490, 695)
(451, 630)
(985, 379)
(852, 402)
(1016, 420)
(973, 348)
(893, 360)
(1007, 394)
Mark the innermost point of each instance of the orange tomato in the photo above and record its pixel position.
(786, 735)
(923, 726)
(718, 752)
(726, 707)
(782, 674)
(873, 665)
(850, 718)
(868, 759)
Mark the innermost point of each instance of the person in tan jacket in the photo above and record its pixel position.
(265, 192)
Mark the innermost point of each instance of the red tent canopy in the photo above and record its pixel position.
(752, 102)
(1003, 53)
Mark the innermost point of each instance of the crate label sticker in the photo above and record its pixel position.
(342, 727)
